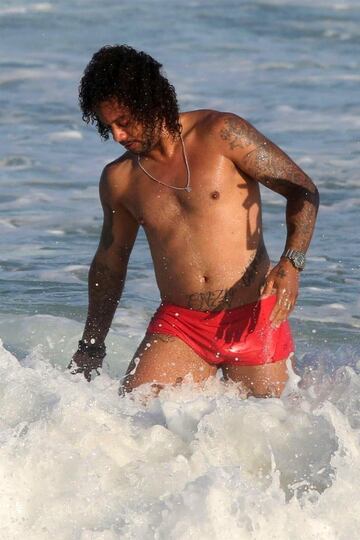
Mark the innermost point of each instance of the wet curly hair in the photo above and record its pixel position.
(135, 79)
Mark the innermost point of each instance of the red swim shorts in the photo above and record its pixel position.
(239, 336)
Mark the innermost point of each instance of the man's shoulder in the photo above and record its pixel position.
(116, 174)
(118, 169)
(209, 122)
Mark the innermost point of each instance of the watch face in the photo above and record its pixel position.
(299, 260)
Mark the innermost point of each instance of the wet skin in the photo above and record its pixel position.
(207, 245)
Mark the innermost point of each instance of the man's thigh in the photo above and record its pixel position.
(161, 359)
(267, 380)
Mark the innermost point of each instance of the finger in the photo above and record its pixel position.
(275, 312)
(279, 317)
(279, 307)
(74, 368)
(281, 311)
(268, 287)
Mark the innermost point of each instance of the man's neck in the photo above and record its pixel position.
(164, 148)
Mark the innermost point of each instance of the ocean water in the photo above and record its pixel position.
(78, 462)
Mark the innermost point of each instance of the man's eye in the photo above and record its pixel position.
(124, 123)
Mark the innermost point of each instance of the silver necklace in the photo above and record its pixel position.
(188, 176)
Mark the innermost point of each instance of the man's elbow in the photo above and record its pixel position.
(310, 193)
(314, 197)
(112, 265)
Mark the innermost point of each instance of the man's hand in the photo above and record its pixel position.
(284, 281)
(83, 362)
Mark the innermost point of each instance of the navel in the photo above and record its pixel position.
(214, 194)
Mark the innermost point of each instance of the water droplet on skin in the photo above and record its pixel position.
(136, 362)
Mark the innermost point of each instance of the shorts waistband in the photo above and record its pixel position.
(225, 315)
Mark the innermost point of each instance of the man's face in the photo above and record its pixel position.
(125, 130)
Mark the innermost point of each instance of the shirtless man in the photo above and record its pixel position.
(191, 180)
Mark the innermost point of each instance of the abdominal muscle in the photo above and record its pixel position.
(211, 278)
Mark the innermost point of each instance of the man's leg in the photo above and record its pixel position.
(267, 380)
(162, 359)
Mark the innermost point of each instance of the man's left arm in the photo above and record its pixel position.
(262, 160)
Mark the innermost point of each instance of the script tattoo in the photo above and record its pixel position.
(222, 298)
(210, 300)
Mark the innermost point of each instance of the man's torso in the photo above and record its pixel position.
(207, 244)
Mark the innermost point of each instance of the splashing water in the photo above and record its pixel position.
(77, 461)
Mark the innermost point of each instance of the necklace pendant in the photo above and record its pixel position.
(188, 189)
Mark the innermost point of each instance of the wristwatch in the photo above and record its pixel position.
(296, 257)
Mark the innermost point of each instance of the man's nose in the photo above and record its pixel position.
(119, 135)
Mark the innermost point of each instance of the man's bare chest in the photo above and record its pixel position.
(160, 200)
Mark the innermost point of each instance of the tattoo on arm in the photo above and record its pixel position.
(281, 272)
(269, 165)
(238, 133)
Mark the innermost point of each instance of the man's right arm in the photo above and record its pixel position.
(107, 271)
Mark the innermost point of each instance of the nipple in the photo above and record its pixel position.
(215, 195)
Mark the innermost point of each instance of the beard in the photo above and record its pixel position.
(149, 140)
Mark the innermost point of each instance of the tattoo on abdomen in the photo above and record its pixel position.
(210, 300)
(222, 298)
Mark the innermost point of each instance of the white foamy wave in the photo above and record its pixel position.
(29, 199)
(83, 463)
(65, 136)
(332, 313)
(7, 224)
(32, 74)
(56, 232)
(42, 7)
(67, 274)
